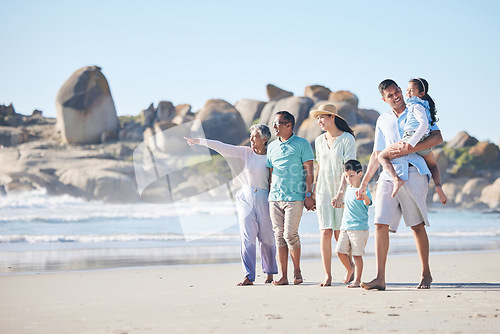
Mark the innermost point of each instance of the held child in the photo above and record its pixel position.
(354, 227)
(421, 115)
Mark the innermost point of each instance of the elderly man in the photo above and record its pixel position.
(410, 201)
(290, 160)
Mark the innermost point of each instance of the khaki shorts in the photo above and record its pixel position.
(409, 202)
(286, 219)
(352, 241)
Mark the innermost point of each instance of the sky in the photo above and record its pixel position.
(192, 51)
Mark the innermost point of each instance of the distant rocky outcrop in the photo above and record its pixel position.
(221, 121)
(249, 110)
(317, 92)
(462, 139)
(85, 108)
(82, 158)
(275, 93)
(298, 106)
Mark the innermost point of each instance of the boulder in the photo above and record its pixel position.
(345, 97)
(347, 106)
(275, 93)
(486, 151)
(368, 116)
(249, 110)
(475, 186)
(364, 147)
(491, 195)
(183, 114)
(362, 131)
(309, 129)
(98, 184)
(10, 136)
(442, 160)
(85, 108)
(221, 121)
(165, 112)
(148, 115)
(9, 117)
(298, 106)
(452, 188)
(462, 139)
(317, 92)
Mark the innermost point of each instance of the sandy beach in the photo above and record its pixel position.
(205, 299)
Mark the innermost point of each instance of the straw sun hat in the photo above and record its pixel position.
(326, 109)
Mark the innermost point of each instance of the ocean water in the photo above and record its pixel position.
(40, 233)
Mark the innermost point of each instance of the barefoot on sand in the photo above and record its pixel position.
(354, 285)
(349, 276)
(246, 281)
(396, 185)
(298, 280)
(442, 196)
(425, 283)
(281, 281)
(326, 282)
(375, 284)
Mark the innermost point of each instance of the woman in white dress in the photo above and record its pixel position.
(252, 175)
(333, 148)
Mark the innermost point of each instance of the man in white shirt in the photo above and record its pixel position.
(410, 201)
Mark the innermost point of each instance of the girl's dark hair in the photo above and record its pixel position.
(342, 125)
(423, 86)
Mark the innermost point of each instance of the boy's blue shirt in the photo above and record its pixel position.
(355, 211)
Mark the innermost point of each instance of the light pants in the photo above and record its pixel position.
(255, 223)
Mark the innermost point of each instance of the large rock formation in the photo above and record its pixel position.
(317, 92)
(347, 105)
(275, 93)
(221, 121)
(249, 110)
(85, 108)
(462, 139)
(491, 195)
(487, 152)
(298, 106)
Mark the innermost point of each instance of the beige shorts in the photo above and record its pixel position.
(409, 202)
(352, 241)
(286, 218)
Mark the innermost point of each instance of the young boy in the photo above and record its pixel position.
(354, 227)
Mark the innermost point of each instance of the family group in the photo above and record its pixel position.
(278, 181)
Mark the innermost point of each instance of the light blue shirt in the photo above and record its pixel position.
(355, 211)
(286, 159)
(412, 122)
(389, 130)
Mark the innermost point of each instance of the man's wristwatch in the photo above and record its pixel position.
(308, 194)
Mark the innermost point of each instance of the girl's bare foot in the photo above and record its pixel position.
(269, 278)
(246, 281)
(281, 281)
(397, 183)
(355, 284)
(442, 196)
(349, 276)
(327, 281)
(375, 284)
(425, 283)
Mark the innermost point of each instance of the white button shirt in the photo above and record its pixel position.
(389, 130)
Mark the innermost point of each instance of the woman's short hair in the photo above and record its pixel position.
(263, 131)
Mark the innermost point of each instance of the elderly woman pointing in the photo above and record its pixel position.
(251, 200)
